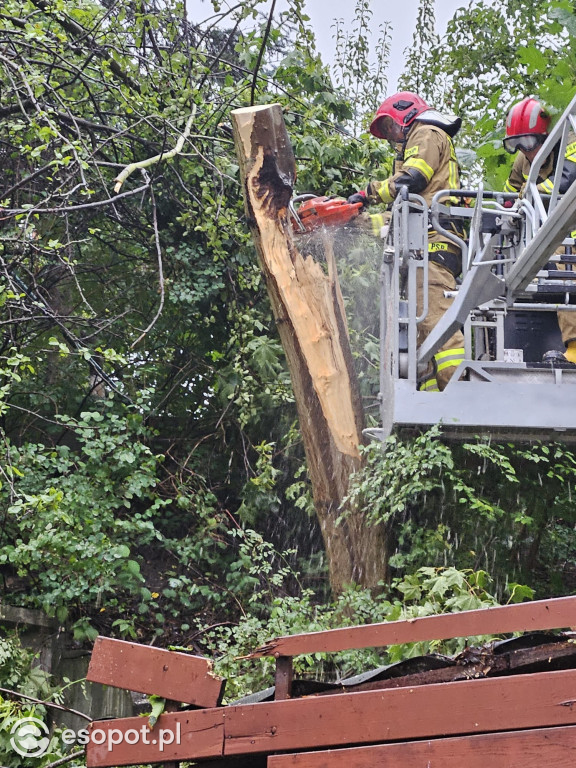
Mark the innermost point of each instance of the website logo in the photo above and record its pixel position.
(29, 737)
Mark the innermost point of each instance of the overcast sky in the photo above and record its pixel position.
(400, 13)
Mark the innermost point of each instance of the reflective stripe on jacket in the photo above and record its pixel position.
(430, 151)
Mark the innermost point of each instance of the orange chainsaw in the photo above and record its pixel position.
(313, 212)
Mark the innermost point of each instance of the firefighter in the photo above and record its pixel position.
(425, 163)
(527, 126)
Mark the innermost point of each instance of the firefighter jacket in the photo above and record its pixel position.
(521, 169)
(545, 182)
(427, 164)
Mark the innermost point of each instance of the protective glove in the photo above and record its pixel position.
(358, 197)
(379, 192)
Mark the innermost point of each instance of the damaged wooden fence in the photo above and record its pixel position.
(518, 708)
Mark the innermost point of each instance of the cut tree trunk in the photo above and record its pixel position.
(309, 312)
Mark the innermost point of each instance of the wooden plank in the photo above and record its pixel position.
(557, 613)
(529, 749)
(145, 669)
(283, 678)
(477, 706)
(129, 741)
(545, 699)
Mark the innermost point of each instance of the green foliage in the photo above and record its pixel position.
(504, 508)
(271, 612)
(140, 366)
(17, 671)
(72, 518)
(146, 412)
(20, 675)
(419, 75)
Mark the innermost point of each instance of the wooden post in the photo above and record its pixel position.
(308, 309)
(284, 677)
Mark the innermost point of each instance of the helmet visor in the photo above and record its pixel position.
(526, 143)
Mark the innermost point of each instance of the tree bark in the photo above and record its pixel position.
(309, 312)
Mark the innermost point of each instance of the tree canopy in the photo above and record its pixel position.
(153, 479)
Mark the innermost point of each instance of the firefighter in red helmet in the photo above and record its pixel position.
(527, 126)
(426, 163)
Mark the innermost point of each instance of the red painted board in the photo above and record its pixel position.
(528, 749)
(176, 676)
(129, 741)
(445, 709)
(371, 717)
(557, 613)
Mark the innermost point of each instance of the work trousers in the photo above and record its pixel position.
(566, 318)
(451, 354)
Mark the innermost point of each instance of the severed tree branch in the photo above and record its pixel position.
(177, 149)
(69, 208)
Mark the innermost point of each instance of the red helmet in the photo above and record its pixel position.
(527, 123)
(402, 108)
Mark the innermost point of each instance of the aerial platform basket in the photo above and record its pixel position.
(519, 269)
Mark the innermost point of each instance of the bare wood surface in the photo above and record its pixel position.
(309, 313)
(557, 613)
(546, 699)
(529, 749)
(145, 669)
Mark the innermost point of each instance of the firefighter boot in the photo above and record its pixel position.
(564, 359)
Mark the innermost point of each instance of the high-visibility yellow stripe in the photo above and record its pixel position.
(448, 352)
(377, 221)
(453, 168)
(420, 165)
(384, 192)
(430, 385)
(449, 364)
(450, 358)
(546, 185)
(437, 247)
(508, 187)
(412, 151)
(453, 175)
(571, 152)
